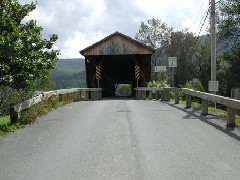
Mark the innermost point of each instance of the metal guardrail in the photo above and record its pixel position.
(164, 94)
(78, 94)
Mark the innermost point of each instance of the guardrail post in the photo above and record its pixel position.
(204, 107)
(158, 95)
(143, 95)
(92, 95)
(163, 96)
(188, 101)
(176, 97)
(87, 95)
(98, 95)
(137, 94)
(150, 95)
(13, 116)
(167, 95)
(231, 117)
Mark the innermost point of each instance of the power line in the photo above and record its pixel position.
(198, 13)
(203, 23)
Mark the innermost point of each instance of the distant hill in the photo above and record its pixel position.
(69, 73)
(71, 65)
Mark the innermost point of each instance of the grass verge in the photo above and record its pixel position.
(6, 127)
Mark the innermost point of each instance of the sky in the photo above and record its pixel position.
(80, 23)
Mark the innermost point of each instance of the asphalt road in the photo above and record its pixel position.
(122, 139)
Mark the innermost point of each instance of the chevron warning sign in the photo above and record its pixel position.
(98, 72)
(137, 72)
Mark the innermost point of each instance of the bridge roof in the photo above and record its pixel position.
(117, 44)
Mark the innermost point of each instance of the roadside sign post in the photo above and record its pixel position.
(172, 63)
(137, 73)
(213, 87)
(98, 74)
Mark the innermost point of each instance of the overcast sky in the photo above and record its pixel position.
(80, 23)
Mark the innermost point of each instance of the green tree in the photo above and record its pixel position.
(229, 32)
(24, 55)
(154, 33)
(229, 71)
(229, 19)
(201, 61)
(181, 46)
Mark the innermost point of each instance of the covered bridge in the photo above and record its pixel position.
(116, 57)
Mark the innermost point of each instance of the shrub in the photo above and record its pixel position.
(157, 84)
(194, 84)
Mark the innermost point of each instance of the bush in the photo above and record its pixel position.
(123, 90)
(194, 84)
(158, 84)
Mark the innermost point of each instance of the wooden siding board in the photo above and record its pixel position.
(117, 44)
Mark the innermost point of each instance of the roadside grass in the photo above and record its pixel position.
(6, 127)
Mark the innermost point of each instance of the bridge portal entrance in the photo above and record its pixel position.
(116, 56)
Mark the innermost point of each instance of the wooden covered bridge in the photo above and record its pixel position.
(116, 58)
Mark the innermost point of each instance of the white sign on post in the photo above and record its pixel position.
(213, 86)
(172, 61)
(160, 68)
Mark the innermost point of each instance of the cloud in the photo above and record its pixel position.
(80, 23)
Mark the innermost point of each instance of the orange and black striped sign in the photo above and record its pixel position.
(98, 72)
(137, 72)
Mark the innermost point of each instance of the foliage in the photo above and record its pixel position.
(69, 73)
(25, 56)
(229, 31)
(194, 84)
(200, 62)
(6, 127)
(229, 20)
(123, 90)
(158, 84)
(31, 114)
(229, 71)
(154, 33)
(10, 96)
(181, 46)
(158, 35)
(45, 84)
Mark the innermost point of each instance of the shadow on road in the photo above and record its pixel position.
(194, 112)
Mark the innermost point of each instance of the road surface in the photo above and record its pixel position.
(122, 139)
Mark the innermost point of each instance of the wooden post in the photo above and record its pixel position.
(167, 95)
(157, 95)
(204, 107)
(136, 94)
(163, 96)
(92, 95)
(188, 101)
(231, 117)
(86, 95)
(13, 116)
(143, 95)
(150, 95)
(176, 97)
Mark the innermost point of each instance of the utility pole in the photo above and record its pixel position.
(213, 41)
